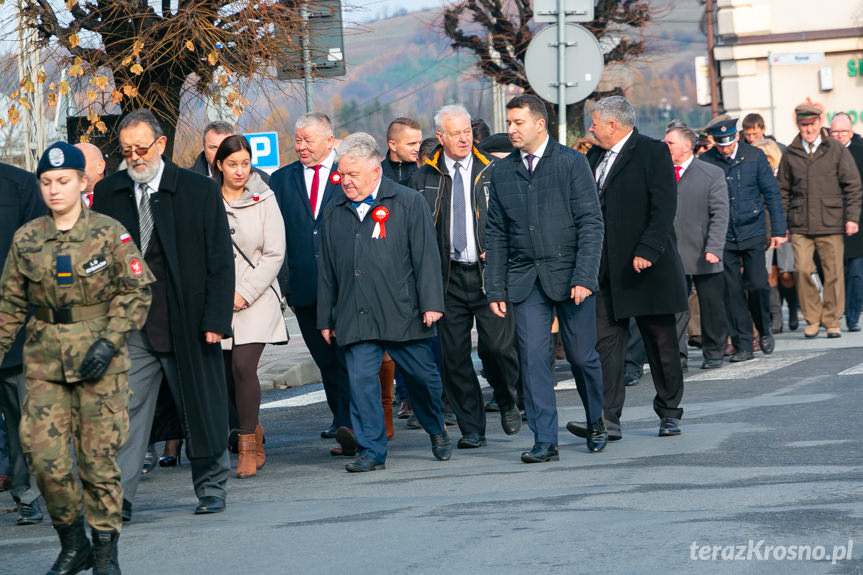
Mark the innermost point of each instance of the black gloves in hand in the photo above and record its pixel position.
(97, 359)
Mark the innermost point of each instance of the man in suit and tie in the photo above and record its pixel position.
(94, 169)
(455, 182)
(178, 220)
(700, 224)
(640, 274)
(543, 245)
(302, 190)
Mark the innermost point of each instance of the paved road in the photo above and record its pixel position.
(772, 453)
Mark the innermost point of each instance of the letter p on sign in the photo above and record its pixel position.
(265, 149)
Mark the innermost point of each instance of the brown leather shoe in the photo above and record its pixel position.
(260, 456)
(246, 465)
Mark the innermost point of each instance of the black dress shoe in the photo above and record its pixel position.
(365, 463)
(126, 513)
(597, 436)
(29, 513)
(510, 421)
(347, 441)
(854, 327)
(209, 504)
(541, 453)
(684, 364)
(491, 405)
(449, 417)
(767, 343)
(171, 460)
(711, 364)
(337, 451)
(629, 380)
(694, 341)
(441, 446)
(580, 430)
(739, 356)
(669, 426)
(330, 432)
(472, 441)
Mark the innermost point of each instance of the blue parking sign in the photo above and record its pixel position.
(265, 149)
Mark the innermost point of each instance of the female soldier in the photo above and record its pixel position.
(87, 284)
(258, 233)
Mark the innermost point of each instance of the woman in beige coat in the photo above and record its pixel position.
(258, 233)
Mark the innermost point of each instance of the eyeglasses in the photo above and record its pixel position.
(140, 152)
(832, 132)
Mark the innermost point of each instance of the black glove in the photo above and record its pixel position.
(97, 359)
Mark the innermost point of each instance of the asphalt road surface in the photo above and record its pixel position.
(766, 478)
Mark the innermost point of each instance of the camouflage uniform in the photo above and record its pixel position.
(85, 284)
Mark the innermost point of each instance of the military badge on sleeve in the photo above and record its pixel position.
(136, 267)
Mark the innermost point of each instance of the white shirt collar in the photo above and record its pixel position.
(615, 149)
(810, 148)
(326, 163)
(465, 164)
(152, 185)
(539, 153)
(685, 165)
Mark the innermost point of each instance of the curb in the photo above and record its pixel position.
(301, 373)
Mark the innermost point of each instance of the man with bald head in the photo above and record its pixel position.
(94, 168)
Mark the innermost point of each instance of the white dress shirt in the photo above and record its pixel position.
(152, 184)
(612, 154)
(323, 177)
(810, 148)
(363, 209)
(469, 255)
(538, 153)
(685, 165)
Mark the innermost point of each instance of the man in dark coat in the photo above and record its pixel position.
(178, 220)
(303, 189)
(841, 128)
(404, 136)
(458, 165)
(20, 202)
(700, 225)
(640, 274)
(544, 239)
(212, 137)
(379, 289)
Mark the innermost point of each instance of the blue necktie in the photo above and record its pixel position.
(369, 200)
(459, 231)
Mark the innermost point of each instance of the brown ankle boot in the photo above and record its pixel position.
(387, 375)
(260, 456)
(246, 466)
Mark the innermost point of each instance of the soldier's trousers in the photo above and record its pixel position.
(95, 417)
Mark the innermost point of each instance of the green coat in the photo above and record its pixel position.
(106, 267)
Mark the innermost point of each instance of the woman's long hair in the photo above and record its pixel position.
(229, 145)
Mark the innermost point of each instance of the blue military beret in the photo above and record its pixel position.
(723, 132)
(61, 156)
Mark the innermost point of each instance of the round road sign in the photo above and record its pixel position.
(584, 63)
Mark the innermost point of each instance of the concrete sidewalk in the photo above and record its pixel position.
(291, 365)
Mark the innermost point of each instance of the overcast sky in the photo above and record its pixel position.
(374, 8)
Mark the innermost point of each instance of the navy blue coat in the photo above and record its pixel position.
(378, 288)
(751, 186)
(20, 202)
(546, 225)
(299, 277)
(639, 201)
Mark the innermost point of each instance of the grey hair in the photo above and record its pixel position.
(841, 115)
(447, 111)
(141, 116)
(675, 125)
(616, 108)
(685, 132)
(315, 118)
(359, 145)
(220, 127)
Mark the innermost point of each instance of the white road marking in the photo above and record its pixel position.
(753, 368)
(856, 370)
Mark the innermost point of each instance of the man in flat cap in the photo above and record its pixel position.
(751, 187)
(821, 193)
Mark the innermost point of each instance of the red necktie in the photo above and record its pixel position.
(313, 197)
(677, 170)
(90, 200)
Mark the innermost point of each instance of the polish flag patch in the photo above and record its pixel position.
(125, 238)
(136, 267)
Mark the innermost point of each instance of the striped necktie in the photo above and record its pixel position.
(145, 218)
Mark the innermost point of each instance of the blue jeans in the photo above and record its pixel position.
(853, 290)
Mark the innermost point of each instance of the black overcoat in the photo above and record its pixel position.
(193, 229)
(639, 201)
(20, 202)
(378, 289)
(854, 244)
(546, 225)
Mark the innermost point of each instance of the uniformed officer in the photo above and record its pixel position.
(87, 283)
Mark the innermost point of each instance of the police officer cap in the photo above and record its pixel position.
(723, 131)
(807, 113)
(61, 156)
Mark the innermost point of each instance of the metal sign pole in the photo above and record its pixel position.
(770, 79)
(307, 59)
(561, 72)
